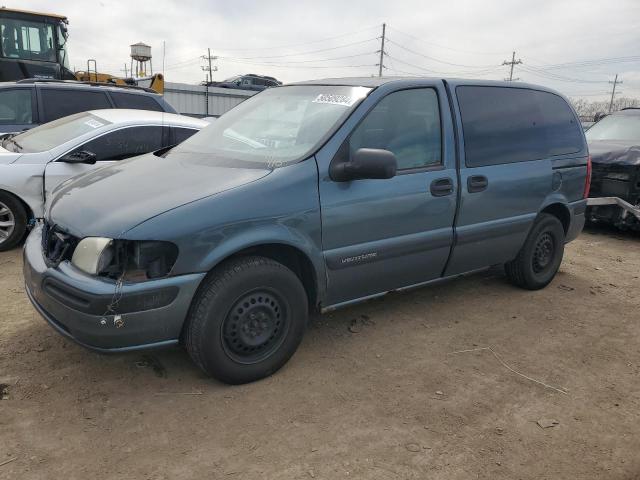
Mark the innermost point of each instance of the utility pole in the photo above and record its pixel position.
(211, 69)
(513, 62)
(382, 52)
(126, 74)
(164, 51)
(613, 92)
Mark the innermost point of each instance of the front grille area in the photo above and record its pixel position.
(605, 183)
(57, 245)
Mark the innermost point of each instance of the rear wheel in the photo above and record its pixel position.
(541, 255)
(13, 221)
(247, 320)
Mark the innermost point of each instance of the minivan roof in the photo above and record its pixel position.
(374, 82)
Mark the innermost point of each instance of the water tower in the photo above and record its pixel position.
(141, 54)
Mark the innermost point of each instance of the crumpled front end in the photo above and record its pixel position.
(97, 312)
(615, 173)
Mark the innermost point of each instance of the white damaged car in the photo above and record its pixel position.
(35, 162)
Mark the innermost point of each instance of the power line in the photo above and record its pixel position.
(436, 59)
(554, 76)
(444, 46)
(284, 47)
(183, 63)
(283, 65)
(427, 70)
(311, 61)
(307, 52)
(590, 63)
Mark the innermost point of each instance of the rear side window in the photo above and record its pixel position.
(16, 107)
(60, 103)
(507, 125)
(138, 102)
(125, 143)
(181, 134)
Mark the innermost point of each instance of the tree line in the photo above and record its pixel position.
(588, 109)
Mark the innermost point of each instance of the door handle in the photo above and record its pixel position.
(441, 187)
(477, 183)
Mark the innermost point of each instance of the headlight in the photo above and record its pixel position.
(129, 260)
(93, 254)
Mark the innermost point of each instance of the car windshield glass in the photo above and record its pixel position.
(274, 128)
(616, 127)
(50, 135)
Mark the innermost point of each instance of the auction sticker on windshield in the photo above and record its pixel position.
(94, 123)
(335, 99)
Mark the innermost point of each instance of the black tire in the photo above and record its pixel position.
(11, 211)
(247, 320)
(541, 255)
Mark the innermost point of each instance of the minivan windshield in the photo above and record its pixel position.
(50, 135)
(274, 128)
(616, 127)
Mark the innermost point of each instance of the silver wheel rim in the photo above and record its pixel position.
(7, 222)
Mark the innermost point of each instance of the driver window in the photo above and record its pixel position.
(406, 123)
(125, 143)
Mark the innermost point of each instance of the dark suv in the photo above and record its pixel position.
(248, 82)
(28, 103)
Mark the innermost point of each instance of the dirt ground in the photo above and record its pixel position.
(374, 391)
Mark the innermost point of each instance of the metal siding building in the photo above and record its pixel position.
(191, 99)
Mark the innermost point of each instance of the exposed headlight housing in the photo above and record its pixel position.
(92, 254)
(130, 260)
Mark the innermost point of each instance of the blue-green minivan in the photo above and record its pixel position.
(304, 198)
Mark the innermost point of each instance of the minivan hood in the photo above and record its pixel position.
(111, 200)
(614, 152)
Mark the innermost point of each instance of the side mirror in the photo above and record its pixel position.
(83, 156)
(367, 163)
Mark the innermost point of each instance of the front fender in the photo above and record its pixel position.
(282, 208)
(25, 182)
(272, 235)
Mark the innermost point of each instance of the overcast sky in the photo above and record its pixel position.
(296, 40)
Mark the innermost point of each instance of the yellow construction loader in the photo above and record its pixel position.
(34, 45)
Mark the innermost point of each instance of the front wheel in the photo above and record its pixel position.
(246, 320)
(13, 221)
(541, 255)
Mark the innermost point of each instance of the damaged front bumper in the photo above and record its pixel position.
(615, 195)
(90, 311)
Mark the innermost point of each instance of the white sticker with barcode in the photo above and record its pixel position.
(94, 123)
(335, 99)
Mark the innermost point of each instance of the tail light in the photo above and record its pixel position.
(587, 182)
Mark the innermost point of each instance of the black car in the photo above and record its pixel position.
(614, 145)
(248, 82)
(28, 103)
